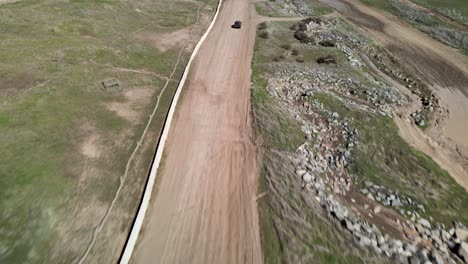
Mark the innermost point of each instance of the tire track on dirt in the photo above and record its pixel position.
(204, 210)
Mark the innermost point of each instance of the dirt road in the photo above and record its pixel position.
(204, 208)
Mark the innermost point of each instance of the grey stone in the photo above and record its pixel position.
(374, 243)
(307, 177)
(357, 227)
(463, 251)
(397, 243)
(413, 260)
(435, 233)
(381, 240)
(348, 224)
(300, 172)
(445, 235)
(437, 258)
(364, 241)
(423, 255)
(396, 202)
(424, 223)
(410, 247)
(420, 122)
(452, 231)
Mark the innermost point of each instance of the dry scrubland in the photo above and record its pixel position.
(64, 139)
(294, 228)
(446, 21)
(284, 8)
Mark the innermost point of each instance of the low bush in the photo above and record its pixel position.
(326, 59)
(302, 37)
(328, 43)
(264, 34)
(286, 46)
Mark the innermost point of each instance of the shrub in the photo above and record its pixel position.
(295, 52)
(326, 59)
(302, 37)
(328, 43)
(286, 46)
(262, 26)
(264, 34)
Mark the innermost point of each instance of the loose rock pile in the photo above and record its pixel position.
(321, 31)
(322, 170)
(388, 197)
(379, 99)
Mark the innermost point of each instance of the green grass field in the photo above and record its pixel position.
(64, 139)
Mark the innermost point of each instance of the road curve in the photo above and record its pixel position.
(204, 208)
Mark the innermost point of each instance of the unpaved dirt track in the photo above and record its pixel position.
(204, 208)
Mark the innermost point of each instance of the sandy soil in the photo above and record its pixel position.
(164, 41)
(175, 39)
(443, 68)
(130, 109)
(204, 210)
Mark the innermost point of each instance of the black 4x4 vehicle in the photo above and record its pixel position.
(237, 24)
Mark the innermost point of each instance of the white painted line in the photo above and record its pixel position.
(154, 168)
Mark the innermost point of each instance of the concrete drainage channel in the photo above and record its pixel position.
(132, 239)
